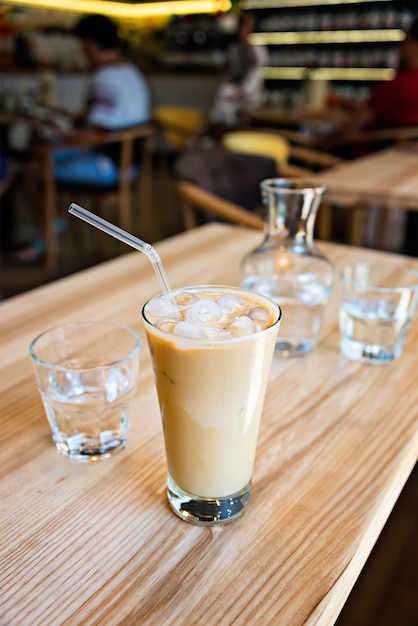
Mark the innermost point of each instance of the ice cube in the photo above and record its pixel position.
(259, 314)
(187, 329)
(243, 325)
(185, 299)
(167, 324)
(229, 303)
(204, 311)
(160, 306)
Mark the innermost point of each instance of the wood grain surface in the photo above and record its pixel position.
(388, 178)
(97, 543)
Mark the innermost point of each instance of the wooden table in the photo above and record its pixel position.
(301, 126)
(280, 117)
(98, 544)
(388, 179)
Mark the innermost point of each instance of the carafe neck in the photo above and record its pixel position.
(290, 213)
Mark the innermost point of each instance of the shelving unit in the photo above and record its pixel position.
(351, 43)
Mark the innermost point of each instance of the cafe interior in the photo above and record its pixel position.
(199, 171)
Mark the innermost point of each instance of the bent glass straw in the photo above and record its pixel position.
(130, 240)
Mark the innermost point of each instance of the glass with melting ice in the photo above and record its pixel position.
(211, 358)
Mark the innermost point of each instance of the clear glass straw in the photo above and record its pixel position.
(130, 240)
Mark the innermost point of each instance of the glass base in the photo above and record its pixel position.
(293, 347)
(84, 448)
(368, 353)
(207, 511)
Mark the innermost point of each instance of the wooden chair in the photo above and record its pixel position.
(194, 199)
(197, 204)
(292, 160)
(178, 124)
(266, 144)
(120, 194)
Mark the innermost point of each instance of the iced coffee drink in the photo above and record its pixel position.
(212, 352)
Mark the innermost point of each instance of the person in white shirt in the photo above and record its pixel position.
(117, 97)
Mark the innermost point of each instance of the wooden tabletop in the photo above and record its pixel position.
(388, 178)
(98, 544)
(275, 115)
(300, 126)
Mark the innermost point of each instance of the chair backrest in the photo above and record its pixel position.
(260, 143)
(194, 199)
(178, 123)
(128, 138)
(233, 176)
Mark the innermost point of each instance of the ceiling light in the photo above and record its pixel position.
(128, 9)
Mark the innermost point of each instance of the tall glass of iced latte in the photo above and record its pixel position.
(211, 354)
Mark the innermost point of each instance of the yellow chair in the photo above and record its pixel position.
(260, 143)
(178, 124)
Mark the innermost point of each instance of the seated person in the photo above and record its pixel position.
(117, 97)
(390, 104)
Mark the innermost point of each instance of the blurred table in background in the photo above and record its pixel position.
(276, 116)
(387, 179)
(303, 126)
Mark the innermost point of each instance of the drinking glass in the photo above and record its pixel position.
(211, 362)
(87, 373)
(376, 311)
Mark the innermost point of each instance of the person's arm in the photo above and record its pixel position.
(81, 134)
(382, 100)
(84, 128)
(361, 119)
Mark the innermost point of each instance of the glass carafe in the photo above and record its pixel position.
(288, 266)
